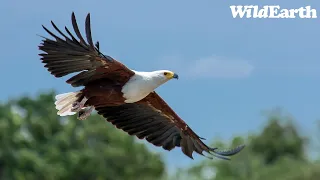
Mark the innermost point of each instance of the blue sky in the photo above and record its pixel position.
(230, 69)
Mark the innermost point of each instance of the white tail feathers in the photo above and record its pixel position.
(64, 103)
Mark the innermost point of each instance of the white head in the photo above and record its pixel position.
(162, 76)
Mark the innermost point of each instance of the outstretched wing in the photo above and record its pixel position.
(67, 55)
(155, 121)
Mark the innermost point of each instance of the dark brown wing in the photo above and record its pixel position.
(155, 121)
(67, 55)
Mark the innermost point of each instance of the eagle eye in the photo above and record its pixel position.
(165, 73)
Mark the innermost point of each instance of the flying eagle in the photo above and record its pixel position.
(123, 96)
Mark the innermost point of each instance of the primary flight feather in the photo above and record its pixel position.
(125, 97)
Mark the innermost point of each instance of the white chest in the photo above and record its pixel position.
(137, 88)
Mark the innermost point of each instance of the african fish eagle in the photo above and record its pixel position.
(125, 97)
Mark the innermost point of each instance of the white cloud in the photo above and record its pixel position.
(209, 67)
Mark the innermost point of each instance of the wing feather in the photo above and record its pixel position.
(151, 130)
(88, 32)
(65, 55)
(76, 29)
(152, 119)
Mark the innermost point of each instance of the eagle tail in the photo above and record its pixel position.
(64, 103)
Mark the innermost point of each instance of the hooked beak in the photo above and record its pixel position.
(175, 76)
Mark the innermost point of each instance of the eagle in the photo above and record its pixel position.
(124, 97)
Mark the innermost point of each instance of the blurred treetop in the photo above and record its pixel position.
(277, 153)
(35, 143)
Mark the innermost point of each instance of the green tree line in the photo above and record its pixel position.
(35, 143)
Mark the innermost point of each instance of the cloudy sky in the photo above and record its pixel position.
(230, 69)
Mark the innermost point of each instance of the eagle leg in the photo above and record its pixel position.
(85, 113)
(77, 106)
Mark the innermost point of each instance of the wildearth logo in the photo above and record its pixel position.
(254, 11)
